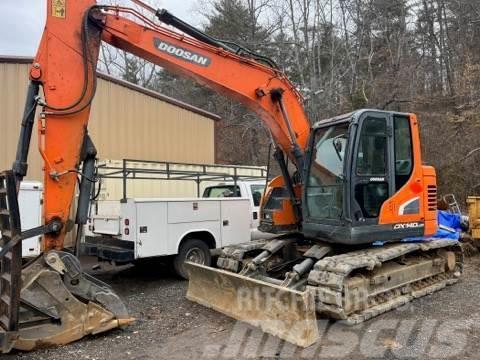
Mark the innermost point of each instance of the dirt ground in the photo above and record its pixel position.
(442, 325)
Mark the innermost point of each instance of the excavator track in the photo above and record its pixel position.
(360, 285)
(351, 287)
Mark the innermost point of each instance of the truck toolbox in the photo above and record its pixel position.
(109, 225)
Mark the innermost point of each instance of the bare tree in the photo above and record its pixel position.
(121, 64)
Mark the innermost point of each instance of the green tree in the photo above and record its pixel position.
(234, 21)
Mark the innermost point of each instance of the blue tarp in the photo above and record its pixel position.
(448, 227)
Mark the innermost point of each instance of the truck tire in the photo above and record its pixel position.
(192, 250)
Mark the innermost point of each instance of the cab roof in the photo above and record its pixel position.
(352, 117)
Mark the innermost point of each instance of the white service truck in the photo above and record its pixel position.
(30, 206)
(182, 229)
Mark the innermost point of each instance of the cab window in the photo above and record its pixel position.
(372, 160)
(372, 150)
(324, 192)
(403, 151)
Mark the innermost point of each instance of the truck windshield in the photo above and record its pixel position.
(325, 181)
(221, 191)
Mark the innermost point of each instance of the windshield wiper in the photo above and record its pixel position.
(338, 146)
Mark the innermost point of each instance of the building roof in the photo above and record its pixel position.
(106, 77)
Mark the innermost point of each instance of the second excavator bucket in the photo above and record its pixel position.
(51, 301)
(282, 312)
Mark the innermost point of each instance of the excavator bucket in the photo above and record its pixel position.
(282, 312)
(51, 301)
(59, 304)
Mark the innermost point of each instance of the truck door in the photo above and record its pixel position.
(256, 193)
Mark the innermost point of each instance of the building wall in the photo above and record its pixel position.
(125, 122)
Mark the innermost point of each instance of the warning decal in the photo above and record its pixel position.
(58, 8)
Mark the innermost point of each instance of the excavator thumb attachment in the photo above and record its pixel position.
(282, 312)
(51, 301)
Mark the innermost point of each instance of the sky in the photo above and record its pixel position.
(22, 21)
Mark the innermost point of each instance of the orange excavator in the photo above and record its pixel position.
(354, 190)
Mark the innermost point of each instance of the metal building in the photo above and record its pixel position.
(126, 121)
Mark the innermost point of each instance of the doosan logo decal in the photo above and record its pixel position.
(182, 53)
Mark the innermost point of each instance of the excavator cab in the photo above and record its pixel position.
(365, 182)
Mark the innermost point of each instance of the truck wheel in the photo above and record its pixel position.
(192, 250)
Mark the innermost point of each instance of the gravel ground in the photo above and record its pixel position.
(442, 325)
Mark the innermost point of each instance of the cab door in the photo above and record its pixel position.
(372, 170)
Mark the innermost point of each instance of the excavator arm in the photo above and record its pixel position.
(65, 303)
